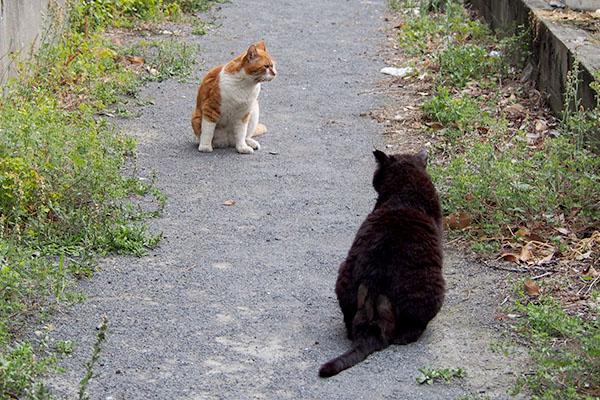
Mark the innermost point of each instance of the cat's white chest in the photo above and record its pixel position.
(238, 96)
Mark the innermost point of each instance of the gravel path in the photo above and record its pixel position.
(238, 302)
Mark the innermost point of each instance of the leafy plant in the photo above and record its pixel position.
(449, 110)
(422, 31)
(430, 375)
(566, 351)
(89, 366)
(91, 15)
(460, 63)
(168, 58)
(582, 125)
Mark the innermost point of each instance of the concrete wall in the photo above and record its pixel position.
(590, 5)
(554, 47)
(21, 22)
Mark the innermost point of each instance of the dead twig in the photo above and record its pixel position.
(468, 295)
(592, 285)
(542, 275)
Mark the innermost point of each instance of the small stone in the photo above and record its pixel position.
(399, 72)
(527, 73)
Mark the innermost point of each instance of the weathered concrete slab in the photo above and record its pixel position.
(590, 5)
(554, 45)
(21, 23)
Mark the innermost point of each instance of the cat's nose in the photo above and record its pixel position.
(273, 71)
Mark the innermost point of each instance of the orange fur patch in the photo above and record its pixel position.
(208, 101)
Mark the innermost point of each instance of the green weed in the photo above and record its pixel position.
(92, 15)
(167, 58)
(89, 366)
(503, 183)
(566, 351)
(456, 111)
(460, 63)
(582, 125)
(424, 31)
(430, 375)
(20, 365)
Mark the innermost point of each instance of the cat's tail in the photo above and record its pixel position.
(260, 130)
(359, 351)
(373, 330)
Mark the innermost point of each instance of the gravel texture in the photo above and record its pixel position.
(238, 302)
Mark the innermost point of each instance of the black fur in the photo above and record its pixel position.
(391, 285)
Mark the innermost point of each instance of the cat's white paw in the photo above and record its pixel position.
(205, 148)
(244, 149)
(253, 143)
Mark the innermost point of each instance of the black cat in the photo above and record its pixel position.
(391, 284)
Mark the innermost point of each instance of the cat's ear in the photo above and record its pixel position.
(251, 54)
(261, 45)
(423, 155)
(381, 157)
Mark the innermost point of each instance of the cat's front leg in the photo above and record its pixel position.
(206, 136)
(240, 138)
(253, 143)
(252, 123)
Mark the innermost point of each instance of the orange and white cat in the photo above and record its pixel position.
(227, 110)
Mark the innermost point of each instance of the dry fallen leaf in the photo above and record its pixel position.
(516, 110)
(135, 59)
(531, 288)
(435, 126)
(510, 257)
(229, 202)
(540, 125)
(522, 232)
(546, 259)
(525, 254)
(535, 237)
(584, 256)
(458, 221)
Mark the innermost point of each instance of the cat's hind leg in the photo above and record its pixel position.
(408, 330)
(252, 124)
(347, 296)
(208, 131)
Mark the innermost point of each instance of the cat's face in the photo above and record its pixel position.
(258, 64)
(394, 167)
